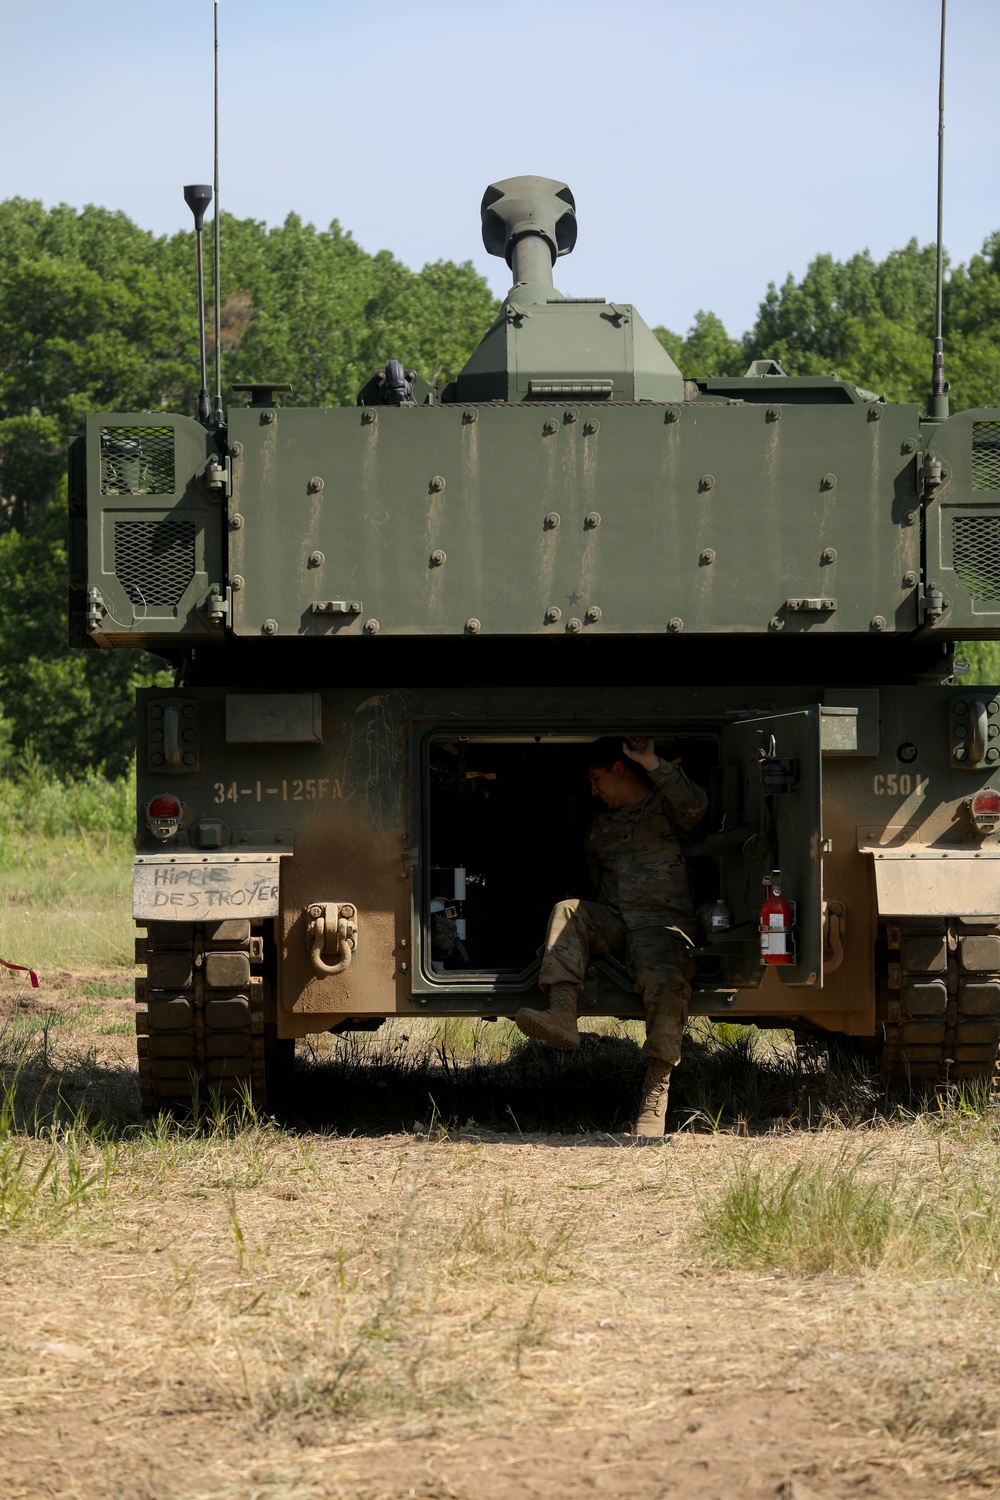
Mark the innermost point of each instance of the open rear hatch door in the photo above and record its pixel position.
(779, 806)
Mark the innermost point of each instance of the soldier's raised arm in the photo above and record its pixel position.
(688, 801)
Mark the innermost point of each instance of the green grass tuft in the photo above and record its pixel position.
(928, 1214)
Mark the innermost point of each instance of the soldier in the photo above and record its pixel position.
(643, 915)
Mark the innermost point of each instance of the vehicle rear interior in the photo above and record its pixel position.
(508, 818)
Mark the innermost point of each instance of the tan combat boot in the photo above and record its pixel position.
(557, 1025)
(653, 1110)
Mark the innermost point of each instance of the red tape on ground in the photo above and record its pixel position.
(24, 970)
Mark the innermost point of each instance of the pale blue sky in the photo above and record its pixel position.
(712, 147)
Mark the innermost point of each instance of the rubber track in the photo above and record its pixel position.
(943, 1019)
(200, 1014)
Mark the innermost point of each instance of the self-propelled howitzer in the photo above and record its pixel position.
(393, 625)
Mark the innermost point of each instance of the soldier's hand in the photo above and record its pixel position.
(639, 747)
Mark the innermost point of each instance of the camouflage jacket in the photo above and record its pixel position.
(634, 853)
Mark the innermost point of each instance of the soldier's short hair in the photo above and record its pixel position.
(604, 753)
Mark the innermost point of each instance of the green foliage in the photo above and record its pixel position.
(870, 322)
(67, 710)
(311, 307)
(707, 349)
(91, 319)
(984, 661)
(863, 1212)
(96, 314)
(88, 808)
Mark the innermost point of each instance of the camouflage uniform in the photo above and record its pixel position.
(644, 912)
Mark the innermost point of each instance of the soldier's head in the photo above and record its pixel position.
(614, 776)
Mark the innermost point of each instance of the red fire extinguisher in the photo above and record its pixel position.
(776, 922)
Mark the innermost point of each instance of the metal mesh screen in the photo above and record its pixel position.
(154, 560)
(986, 455)
(975, 543)
(137, 460)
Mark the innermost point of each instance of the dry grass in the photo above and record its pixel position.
(230, 1306)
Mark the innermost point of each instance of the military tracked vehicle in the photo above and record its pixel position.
(394, 625)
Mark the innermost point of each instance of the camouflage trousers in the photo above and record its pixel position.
(658, 961)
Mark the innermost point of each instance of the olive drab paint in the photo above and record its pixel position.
(393, 626)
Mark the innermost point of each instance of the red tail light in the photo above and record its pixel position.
(985, 810)
(163, 816)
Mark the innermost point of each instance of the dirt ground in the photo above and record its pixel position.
(292, 1315)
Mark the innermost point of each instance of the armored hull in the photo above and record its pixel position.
(394, 625)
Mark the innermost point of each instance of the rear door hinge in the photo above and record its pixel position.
(933, 604)
(218, 606)
(218, 477)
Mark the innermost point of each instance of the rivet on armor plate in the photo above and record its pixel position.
(589, 428)
(875, 413)
(437, 557)
(571, 415)
(316, 559)
(269, 627)
(436, 485)
(909, 517)
(468, 417)
(237, 522)
(776, 623)
(909, 579)
(473, 626)
(551, 520)
(371, 627)
(593, 615)
(237, 582)
(592, 520)
(672, 414)
(706, 557)
(828, 555)
(553, 614)
(236, 450)
(675, 623)
(828, 482)
(368, 417)
(574, 625)
(550, 427)
(878, 622)
(315, 485)
(773, 414)
(909, 446)
(269, 416)
(706, 483)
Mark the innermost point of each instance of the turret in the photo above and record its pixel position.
(547, 347)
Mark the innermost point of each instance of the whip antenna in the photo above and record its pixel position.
(938, 404)
(217, 230)
(197, 196)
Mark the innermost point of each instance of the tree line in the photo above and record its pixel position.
(98, 314)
